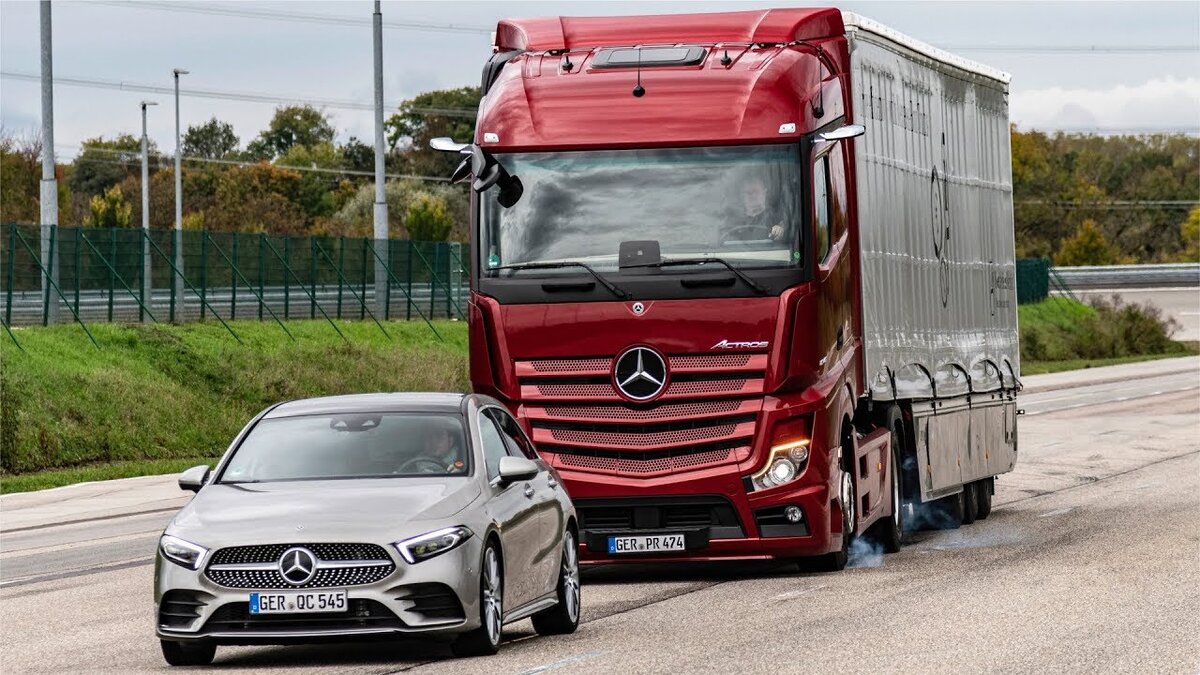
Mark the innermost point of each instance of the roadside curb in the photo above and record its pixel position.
(1178, 365)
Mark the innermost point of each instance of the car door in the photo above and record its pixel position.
(515, 512)
(546, 488)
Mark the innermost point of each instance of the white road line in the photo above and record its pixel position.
(1091, 403)
(1058, 512)
(562, 663)
(792, 595)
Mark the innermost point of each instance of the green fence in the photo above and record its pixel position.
(129, 275)
(1033, 280)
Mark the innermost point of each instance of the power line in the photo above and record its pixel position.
(128, 158)
(275, 99)
(331, 19)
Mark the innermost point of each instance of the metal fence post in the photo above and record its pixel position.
(408, 274)
(362, 310)
(312, 276)
(175, 255)
(287, 280)
(78, 269)
(387, 288)
(12, 259)
(233, 275)
(342, 266)
(262, 272)
(112, 269)
(203, 272)
(143, 254)
(53, 260)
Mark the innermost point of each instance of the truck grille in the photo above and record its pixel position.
(706, 417)
(659, 513)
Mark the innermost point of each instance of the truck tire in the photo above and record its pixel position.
(836, 561)
(984, 490)
(970, 504)
(889, 531)
(946, 513)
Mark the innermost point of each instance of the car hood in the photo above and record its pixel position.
(368, 510)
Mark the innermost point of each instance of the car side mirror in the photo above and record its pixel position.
(513, 469)
(843, 132)
(194, 478)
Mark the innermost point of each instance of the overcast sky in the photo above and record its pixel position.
(1149, 77)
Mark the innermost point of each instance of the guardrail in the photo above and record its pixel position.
(1184, 275)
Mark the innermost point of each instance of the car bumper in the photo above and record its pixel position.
(761, 530)
(439, 595)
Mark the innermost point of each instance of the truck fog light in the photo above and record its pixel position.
(793, 514)
(782, 471)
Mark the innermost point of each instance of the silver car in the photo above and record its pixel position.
(368, 516)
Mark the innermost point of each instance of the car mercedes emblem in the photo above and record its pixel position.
(297, 565)
(640, 373)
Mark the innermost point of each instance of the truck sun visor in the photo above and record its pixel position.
(627, 57)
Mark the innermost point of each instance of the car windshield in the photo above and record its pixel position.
(351, 445)
(737, 203)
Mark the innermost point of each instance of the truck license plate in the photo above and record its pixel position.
(646, 543)
(297, 602)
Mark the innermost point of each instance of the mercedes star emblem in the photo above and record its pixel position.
(297, 565)
(640, 373)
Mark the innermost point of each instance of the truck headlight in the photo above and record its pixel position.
(788, 455)
(181, 552)
(432, 544)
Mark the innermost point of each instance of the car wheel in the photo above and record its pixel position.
(889, 531)
(485, 640)
(188, 653)
(563, 618)
(983, 496)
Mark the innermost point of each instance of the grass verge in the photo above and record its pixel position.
(158, 393)
(1042, 367)
(41, 480)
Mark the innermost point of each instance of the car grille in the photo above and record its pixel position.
(660, 513)
(235, 617)
(339, 565)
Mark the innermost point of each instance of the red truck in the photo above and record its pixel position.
(747, 278)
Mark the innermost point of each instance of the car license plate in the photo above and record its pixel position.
(301, 602)
(649, 543)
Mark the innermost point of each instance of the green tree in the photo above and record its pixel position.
(104, 163)
(315, 196)
(427, 218)
(212, 140)
(292, 125)
(257, 198)
(446, 112)
(1087, 247)
(358, 156)
(111, 209)
(20, 176)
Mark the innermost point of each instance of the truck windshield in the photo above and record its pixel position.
(741, 204)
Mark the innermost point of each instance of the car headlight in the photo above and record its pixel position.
(181, 552)
(788, 455)
(432, 544)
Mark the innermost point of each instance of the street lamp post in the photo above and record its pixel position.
(177, 301)
(381, 208)
(48, 189)
(147, 289)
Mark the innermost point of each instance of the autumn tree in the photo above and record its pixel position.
(445, 112)
(427, 218)
(110, 209)
(1087, 247)
(1190, 233)
(104, 163)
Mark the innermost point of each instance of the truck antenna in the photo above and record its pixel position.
(638, 90)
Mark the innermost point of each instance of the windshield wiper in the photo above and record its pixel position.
(700, 261)
(619, 292)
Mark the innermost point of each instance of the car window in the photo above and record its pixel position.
(493, 444)
(518, 444)
(350, 445)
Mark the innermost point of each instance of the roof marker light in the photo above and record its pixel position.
(489, 137)
(787, 128)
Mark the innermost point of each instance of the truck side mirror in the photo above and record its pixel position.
(484, 167)
(843, 132)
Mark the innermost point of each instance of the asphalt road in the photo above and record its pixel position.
(1089, 562)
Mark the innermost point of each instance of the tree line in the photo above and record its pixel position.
(1078, 199)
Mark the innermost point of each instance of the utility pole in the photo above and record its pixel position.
(381, 208)
(49, 185)
(147, 289)
(178, 203)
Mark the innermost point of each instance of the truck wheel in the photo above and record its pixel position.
(188, 653)
(947, 513)
(848, 498)
(983, 497)
(889, 531)
(970, 504)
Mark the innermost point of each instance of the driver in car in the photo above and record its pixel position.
(761, 221)
(442, 448)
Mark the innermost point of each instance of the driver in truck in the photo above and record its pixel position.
(760, 220)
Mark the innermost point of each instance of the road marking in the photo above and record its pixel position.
(792, 595)
(1127, 398)
(1058, 512)
(80, 572)
(562, 663)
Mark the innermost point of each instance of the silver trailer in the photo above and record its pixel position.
(936, 233)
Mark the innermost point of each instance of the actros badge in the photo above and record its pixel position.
(726, 344)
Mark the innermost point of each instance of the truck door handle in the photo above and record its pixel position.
(529, 490)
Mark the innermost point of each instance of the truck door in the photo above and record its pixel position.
(832, 257)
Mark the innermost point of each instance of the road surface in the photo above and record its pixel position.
(1089, 562)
